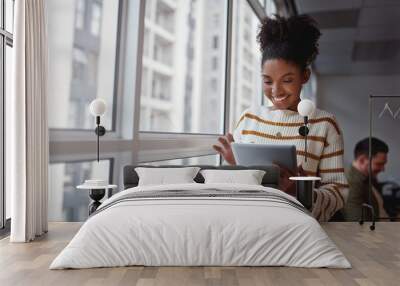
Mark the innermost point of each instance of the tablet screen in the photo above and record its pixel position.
(249, 154)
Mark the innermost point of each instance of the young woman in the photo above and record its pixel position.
(288, 48)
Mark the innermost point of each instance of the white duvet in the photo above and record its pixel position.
(200, 231)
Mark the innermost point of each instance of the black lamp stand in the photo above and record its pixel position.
(368, 205)
(303, 131)
(100, 131)
(96, 195)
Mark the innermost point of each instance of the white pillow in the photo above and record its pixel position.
(248, 177)
(163, 176)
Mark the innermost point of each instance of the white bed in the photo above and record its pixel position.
(206, 230)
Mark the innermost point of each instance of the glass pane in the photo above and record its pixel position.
(80, 14)
(95, 19)
(82, 50)
(66, 202)
(246, 88)
(1, 16)
(2, 142)
(8, 85)
(9, 15)
(270, 7)
(385, 197)
(200, 160)
(183, 66)
(309, 89)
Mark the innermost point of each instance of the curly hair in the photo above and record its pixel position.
(294, 39)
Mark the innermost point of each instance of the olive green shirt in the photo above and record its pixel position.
(358, 194)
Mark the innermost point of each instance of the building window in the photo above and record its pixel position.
(160, 119)
(246, 93)
(146, 43)
(247, 35)
(96, 19)
(214, 63)
(163, 50)
(215, 42)
(216, 20)
(247, 74)
(214, 84)
(79, 65)
(165, 15)
(161, 87)
(80, 14)
(247, 18)
(247, 56)
(148, 10)
(145, 77)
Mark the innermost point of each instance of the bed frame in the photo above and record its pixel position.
(270, 179)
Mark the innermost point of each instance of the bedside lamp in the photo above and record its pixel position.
(97, 108)
(305, 108)
(97, 187)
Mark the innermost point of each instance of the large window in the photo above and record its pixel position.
(184, 66)
(246, 88)
(6, 44)
(82, 51)
(174, 74)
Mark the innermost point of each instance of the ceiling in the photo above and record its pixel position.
(359, 37)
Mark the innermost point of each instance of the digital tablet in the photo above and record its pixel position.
(250, 154)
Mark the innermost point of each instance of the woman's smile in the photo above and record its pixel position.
(279, 98)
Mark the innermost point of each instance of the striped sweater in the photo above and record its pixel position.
(263, 125)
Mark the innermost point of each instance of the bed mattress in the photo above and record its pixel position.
(201, 225)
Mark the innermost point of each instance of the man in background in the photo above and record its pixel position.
(358, 178)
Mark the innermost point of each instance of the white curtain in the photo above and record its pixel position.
(26, 129)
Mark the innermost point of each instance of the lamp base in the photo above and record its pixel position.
(100, 130)
(96, 195)
(303, 130)
(305, 193)
(371, 209)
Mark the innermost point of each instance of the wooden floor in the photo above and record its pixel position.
(375, 257)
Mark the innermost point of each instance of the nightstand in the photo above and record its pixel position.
(96, 193)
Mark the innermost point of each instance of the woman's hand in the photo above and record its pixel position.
(224, 148)
(285, 184)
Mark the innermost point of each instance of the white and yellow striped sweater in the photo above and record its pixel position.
(263, 125)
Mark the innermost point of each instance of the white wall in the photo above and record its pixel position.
(347, 98)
